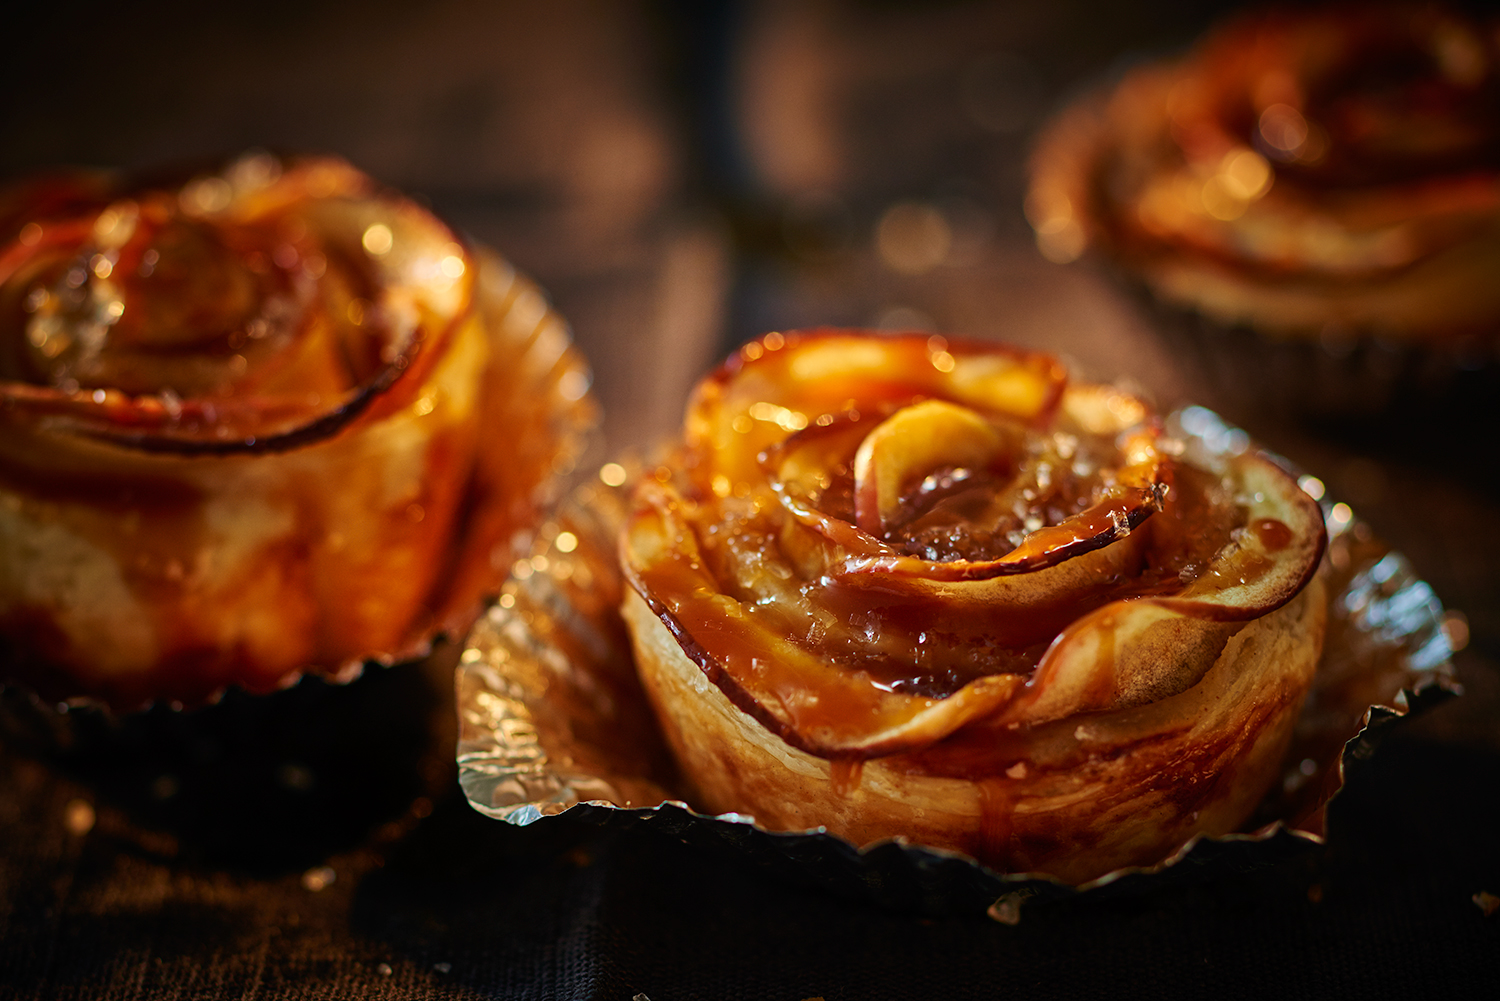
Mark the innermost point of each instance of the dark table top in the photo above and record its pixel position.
(681, 179)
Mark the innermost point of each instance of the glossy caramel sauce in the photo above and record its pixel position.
(233, 307)
(954, 513)
(926, 643)
(826, 632)
(1273, 534)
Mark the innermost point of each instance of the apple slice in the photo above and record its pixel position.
(909, 444)
(1147, 649)
(810, 700)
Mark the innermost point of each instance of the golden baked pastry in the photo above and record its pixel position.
(1330, 172)
(909, 586)
(256, 421)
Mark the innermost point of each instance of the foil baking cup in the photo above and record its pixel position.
(552, 721)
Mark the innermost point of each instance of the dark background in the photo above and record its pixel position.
(681, 177)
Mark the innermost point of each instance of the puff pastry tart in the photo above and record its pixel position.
(251, 423)
(1333, 171)
(908, 586)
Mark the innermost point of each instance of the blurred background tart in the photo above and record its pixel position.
(1312, 197)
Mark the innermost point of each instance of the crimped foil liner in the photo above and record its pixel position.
(552, 720)
(547, 385)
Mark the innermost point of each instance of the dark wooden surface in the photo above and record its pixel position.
(681, 179)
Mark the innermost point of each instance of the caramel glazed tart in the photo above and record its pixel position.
(552, 718)
(262, 421)
(910, 586)
(1272, 180)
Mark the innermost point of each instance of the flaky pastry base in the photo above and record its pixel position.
(1085, 795)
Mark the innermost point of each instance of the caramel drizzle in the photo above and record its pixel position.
(824, 692)
(248, 420)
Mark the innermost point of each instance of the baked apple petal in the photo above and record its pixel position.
(909, 443)
(1277, 550)
(812, 703)
(1146, 649)
(1127, 653)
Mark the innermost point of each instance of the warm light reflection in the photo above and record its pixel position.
(255, 170)
(1289, 136)
(318, 878)
(114, 226)
(1456, 629)
(378, 240)
(1459, 54)
(1059, 236)
(787, 420)
(573, 384)
(79, 817)
(206, 196)
(1245, 174)
(1283, 127)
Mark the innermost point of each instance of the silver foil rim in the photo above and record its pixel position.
(552, 720)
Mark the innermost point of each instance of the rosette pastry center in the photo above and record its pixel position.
(907, 586)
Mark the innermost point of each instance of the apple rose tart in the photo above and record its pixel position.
(1328, 171)
(907, 586)
(254, 422)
